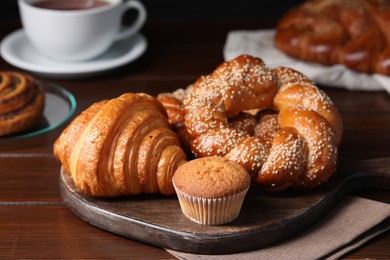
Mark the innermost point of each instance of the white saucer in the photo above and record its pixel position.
(17, 50)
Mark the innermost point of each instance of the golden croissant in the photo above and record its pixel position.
(121, 146)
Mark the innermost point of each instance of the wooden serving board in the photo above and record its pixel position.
(265, 218)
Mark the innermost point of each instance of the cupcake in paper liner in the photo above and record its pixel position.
(211, 190)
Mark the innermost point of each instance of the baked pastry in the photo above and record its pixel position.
(22, 100)
(172, 103)
(121, 146)
(355, 33)
(211, 190)
(294, 139)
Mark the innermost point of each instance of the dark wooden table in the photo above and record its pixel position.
(35, 223)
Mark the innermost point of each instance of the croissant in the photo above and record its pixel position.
(355, 33)
(292, 141)
(122, 146)
(22, 101)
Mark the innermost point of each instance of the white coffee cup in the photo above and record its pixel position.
(78, 35)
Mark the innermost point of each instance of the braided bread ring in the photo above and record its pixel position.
(309, 41)
(310, 126)
(382, 18)
(21, 102)
(296, 89)
(354, 33)
(241, 84)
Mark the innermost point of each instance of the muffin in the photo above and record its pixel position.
(211, 190)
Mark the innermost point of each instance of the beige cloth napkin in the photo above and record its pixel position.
(352, 223)
(260, 43)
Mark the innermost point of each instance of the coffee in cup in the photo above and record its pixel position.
(77, 30)
(70, 4)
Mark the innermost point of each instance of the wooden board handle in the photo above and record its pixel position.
(365, 174)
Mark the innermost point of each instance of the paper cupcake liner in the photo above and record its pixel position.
(211, 211)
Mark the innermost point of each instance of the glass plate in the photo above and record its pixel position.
(60, 105)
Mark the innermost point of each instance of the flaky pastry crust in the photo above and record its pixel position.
(122, 146)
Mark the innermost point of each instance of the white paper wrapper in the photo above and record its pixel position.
(209, 211)
(260, 43)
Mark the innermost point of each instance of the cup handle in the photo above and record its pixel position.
(127, 31)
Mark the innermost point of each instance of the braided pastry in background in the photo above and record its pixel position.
(121, 146)
(355, 33)
(22, 101)
(291, 142)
